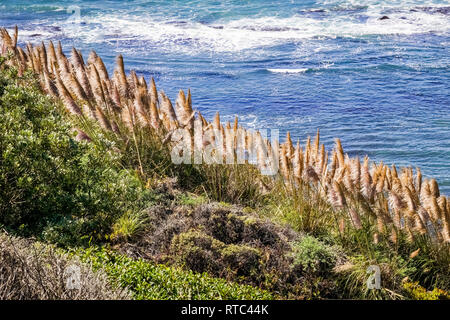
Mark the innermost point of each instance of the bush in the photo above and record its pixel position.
(198, 252)
(157, 282)
(37, 271)
(52, 185)
(245, 261)
(313, 256)
(417, 292)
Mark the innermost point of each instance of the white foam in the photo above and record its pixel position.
(257, 32)
(301, 70)
(38, 33)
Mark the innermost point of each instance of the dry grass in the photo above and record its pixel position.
(33, 271)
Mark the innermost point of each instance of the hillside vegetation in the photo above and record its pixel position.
(87, 165)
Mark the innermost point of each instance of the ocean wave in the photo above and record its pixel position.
(250, 33)
(300, 70)
(332, 19)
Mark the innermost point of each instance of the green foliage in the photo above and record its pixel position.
(245, 260)
(129, 225)
(151, 281)
(302, 208)
(200, 252)
(234, 183)
(191, 199)
(313, 256)
(50, 184)
(197, 251)
(417, 292)
(431, 267)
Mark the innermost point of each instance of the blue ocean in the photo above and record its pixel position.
(374, 73)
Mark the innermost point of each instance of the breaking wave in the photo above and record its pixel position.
(239, 34)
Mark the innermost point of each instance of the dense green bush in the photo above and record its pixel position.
(50, 184)
(313, 256)
(152, 281)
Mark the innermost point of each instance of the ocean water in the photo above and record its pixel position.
(381, 85)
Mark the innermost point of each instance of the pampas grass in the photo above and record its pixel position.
(126, 107)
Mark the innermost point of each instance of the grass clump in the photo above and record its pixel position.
(190, 199)
(129, 225)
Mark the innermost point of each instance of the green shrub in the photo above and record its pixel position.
(200, 252)
(52, 185)
(313, 256)
(245, 261)
(151, 281)
(197, 251)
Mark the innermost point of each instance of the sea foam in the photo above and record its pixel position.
(234, 35)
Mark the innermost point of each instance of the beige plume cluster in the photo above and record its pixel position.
(396, 201)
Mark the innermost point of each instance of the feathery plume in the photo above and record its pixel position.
(338, 197)
(51, 54)
(290, 147)
(43, 57)
(340, 153)
(356, 173)
(82, 136)
(284, 162)
(376, 238)
(367, 189)
(101, 69)
(71, 106)
(102, 119)
(308, 152)
(50, 86)
(154, 114)
(414, 254)
(356, 220)
(154, 92)
(166, 107)
(317, 144)
(15, 37)
(393, 236)
(434, 188)
(122, 78)
(321, 163)
(418, 180)
(96, 85)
